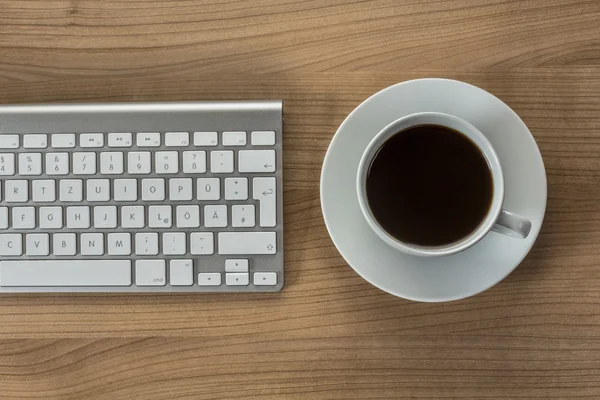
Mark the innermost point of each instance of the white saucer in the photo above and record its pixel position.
(444, 278)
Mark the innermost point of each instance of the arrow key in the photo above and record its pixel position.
(237, 279)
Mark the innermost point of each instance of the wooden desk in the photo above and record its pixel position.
(329, 334)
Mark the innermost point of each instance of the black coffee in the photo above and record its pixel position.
(429, 185)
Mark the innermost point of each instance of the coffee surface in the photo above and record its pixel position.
(429, 185)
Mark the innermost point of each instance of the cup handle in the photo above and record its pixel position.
(512, 225)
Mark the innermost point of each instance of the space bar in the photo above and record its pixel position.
(65, 273)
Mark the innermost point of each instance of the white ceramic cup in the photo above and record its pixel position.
(497, 219)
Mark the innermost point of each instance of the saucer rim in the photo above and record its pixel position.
(383, 286)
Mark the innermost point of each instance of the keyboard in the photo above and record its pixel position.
(141, 197)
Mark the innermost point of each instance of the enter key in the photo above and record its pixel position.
(264, 192)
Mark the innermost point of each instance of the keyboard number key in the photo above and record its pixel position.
(111, 163)
(138, 162)
(84, 163)
(7, 164)
(30, 163)
(57, 163)
(167, 162)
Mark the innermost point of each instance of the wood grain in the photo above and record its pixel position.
(329, 334)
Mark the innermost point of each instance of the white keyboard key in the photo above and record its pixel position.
(242, 216)
(47, 273)
(194, 162)
(177, 139)
(264, 190)
(146, 243)
(236, 265)
(166, 162)
(237, 138)
(153, 189)
(98, 190)
(111, 163)
(265, 278)
(37, 244)
(180, 189)
(119, 244)
(7, 164)
(160, 217)
(125, 189)
(236, 279)
(209, 279)
(84, 163)
(256, 161)
(132, 217)
(78, 217)
(51, 217)
(3, 217)
(215, 216)
(263, 138)
(10, 141)
(11, 244)
(57, 163)
(71, 190)
(221, 162)
(44, 190)
(236, 188)
(148, 139)
(105, 217)
(122, 139)
(65, 244)
(138, 162)
(30, 164)
(202, 243)
(150, 273)
(91, 244)
(16, 191)
(181, 272)
(208, 188)
(91, 140)
(35, 141)
(247, 242)
(23, 217)
(63, 140)
(174, 243)
(187, 216)
(201, 139)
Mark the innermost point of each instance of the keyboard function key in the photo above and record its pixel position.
(35, 141)
(263, 138)
(237, 138)
(63, 140)
(91, 140)
(10, 141)
(148, 139)
(205, 139)
(177, 139)
(265, 278)
(121, 139)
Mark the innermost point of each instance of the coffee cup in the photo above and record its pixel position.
(496, 218)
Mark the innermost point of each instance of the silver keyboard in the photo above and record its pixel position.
(149, 197)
